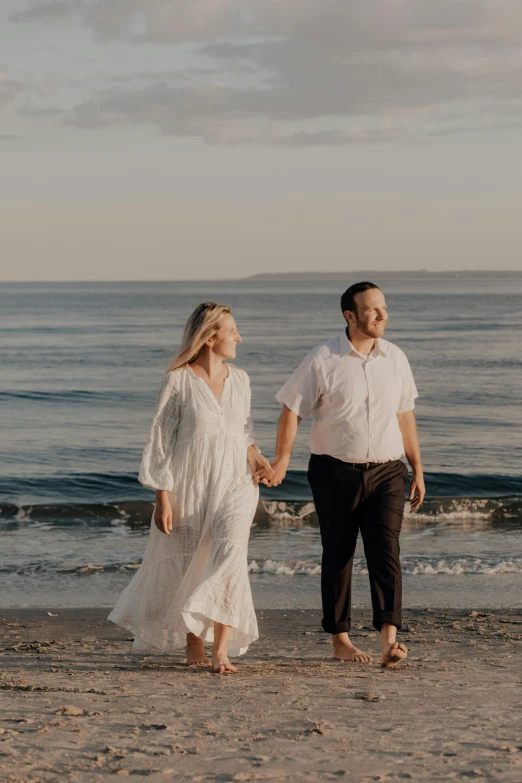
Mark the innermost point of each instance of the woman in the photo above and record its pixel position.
(201, 459)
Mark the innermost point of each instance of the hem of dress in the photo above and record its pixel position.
(152, 641)
(149, 639)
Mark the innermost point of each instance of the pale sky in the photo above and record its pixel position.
(204, 139)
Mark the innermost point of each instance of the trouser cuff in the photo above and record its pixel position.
(333, 628)
(393, 618)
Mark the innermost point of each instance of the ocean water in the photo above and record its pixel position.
(81, 365)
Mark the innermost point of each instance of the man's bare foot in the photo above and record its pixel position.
(392, 654)
(196, 651)
(222, 665)
(344, 650)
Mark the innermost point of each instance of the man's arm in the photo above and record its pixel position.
(408, 427)
(286, 432)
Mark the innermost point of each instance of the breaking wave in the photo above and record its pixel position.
(135, 513)
(426, 565)
(503, 564)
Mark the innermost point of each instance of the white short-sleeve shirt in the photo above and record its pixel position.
(354, 399)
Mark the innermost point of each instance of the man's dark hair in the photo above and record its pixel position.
(348, 298)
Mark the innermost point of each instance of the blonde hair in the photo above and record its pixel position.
(201, 325)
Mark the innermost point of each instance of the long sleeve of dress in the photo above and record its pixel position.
(250, 437)
(155, 469)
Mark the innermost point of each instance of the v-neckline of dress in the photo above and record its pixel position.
(217, 403)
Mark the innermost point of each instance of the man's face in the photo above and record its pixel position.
(371, 316)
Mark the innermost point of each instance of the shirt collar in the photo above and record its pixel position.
(345, 346)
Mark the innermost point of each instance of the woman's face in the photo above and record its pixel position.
(224, 342)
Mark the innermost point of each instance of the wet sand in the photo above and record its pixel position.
(78, 705)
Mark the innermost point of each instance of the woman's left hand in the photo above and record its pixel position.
(262, 470)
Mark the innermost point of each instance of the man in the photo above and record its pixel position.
(359, 388)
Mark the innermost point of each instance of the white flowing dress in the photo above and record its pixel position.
(198, 574)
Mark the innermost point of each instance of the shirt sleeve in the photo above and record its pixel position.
(302, 390)
(250, 437)
(155, 468)
(409, 391)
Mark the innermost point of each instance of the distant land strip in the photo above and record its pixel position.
(368, 274)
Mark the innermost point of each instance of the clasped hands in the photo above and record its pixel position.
(264, 472)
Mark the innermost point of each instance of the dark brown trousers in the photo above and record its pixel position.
(348, 499)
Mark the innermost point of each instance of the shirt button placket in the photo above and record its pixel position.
(370, 414)
(371, 409)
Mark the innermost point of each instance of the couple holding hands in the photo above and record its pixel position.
(202, 459)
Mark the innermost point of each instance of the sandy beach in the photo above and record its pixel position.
(78, 705)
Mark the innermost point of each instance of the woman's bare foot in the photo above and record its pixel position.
(196, 651)
(392, 654)
(344, 650)
(221, 664)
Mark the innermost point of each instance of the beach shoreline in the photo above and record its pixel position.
(79, 705)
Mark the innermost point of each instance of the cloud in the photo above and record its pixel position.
(9, 136)
(51, 11)
(173, 109)
(337, 25)
(358, 135)
(46, 111)
(154, 20)
(284, 67)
